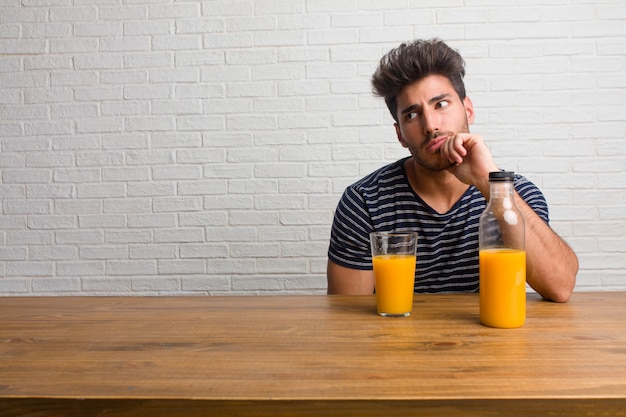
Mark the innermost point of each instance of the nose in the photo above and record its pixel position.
(430, 121)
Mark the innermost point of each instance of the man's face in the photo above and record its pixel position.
(429, 112)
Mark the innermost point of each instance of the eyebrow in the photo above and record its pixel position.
(435, 99)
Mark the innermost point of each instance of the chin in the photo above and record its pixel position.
(438, 165)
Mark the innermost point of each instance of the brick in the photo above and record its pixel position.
(283, 234)
(192, 25)
(302, 217)
(107, 285)
(63, 46)
(231, 266)
(128, 236)
(155, 284)
(282, 170)
(178, 43)
(101, 220)
(176, 140)
(279, 38)
(303, 21)
(417, 16)
(79, 237)
(273, 7)
(15, 286)
(159, 27)
(228, 40)
(81, 268)
(100, 190)
(228, 202)
(72, 206)
(103, 61)
(177, 107)
(303, 54)
(22, 46)
(204, 219)
(204, 283)
(48, 128)
(176, 204)
(138, 60)
(284, 266)
(179, 235)
(306, 121)
(131, 267)
(104, 252)
(21, 268)
(472, 15)
(334, 37)
(186, 267)
(303, 249)
(307, 284)
(156, 251)
(57, 285)
(51, 222)
(13, 254)
(158, 11)
(99, 125)
(151, 220)
(79, 175)
(29, 237)
(249, 284)
(200, 250)
(253, 218)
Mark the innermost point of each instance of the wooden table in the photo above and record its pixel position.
(308, 356)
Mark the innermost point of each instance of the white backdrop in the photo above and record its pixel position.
(170, 147)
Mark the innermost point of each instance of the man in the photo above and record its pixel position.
(440, 190)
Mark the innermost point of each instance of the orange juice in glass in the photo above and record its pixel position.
(393, 259)
(502, 287)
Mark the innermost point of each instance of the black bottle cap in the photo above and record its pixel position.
(501, 176)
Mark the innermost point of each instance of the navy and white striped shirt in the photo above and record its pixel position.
(447, 253)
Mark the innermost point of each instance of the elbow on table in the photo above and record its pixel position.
(562, 291)
(559, 296)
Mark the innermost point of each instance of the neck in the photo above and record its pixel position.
(439, 189)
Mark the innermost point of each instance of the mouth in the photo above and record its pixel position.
(435, 143)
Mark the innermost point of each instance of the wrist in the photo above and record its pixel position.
(483, 183)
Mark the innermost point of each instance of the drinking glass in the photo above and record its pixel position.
(393, 258)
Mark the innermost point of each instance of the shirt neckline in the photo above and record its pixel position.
(453, 209)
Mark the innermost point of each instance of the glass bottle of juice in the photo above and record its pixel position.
(502, 256)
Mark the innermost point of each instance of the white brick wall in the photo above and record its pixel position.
(200, 147)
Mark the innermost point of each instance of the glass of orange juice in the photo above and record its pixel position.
(393, 259)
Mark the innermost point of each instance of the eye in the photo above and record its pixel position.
(441, 104)
(410, 116)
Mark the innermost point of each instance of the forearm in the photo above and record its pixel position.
(342, 280)
(551, 265)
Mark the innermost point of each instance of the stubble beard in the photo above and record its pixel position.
(433, 162)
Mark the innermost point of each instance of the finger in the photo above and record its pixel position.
(455, 150)
(447, 150)
(460, 145)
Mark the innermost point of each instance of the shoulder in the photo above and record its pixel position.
(381, 179)
(533, 196)
(525, 187)
(373, 194)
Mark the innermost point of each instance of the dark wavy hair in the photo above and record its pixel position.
(411, 62)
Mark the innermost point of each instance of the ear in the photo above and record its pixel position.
(469, 110)
(401, 139)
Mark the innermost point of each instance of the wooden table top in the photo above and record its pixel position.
(308, 355)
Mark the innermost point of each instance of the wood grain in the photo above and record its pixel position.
(308, 355)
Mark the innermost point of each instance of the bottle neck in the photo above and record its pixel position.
(500, 189)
